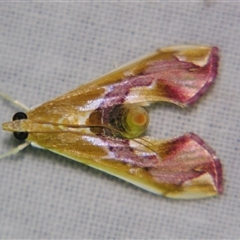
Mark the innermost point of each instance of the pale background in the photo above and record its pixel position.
(48, 48)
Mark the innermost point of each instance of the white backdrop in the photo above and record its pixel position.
(47, 49)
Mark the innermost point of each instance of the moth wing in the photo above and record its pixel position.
(179, 75)
(183, 167)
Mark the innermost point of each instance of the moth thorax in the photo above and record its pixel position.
(130, 121)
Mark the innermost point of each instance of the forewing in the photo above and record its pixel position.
(176, 74)
(184, 167)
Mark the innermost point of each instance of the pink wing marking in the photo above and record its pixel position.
(185, 82)
(187, 158)
(170, 80)
(121, 150)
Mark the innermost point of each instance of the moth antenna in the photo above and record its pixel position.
(15, 102)
(15, 150)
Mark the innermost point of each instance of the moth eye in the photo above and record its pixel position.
(19, 116)
(20, 135)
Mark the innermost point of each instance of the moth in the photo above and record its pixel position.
(101, 124)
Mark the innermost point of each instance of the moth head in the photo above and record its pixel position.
(16, 126)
